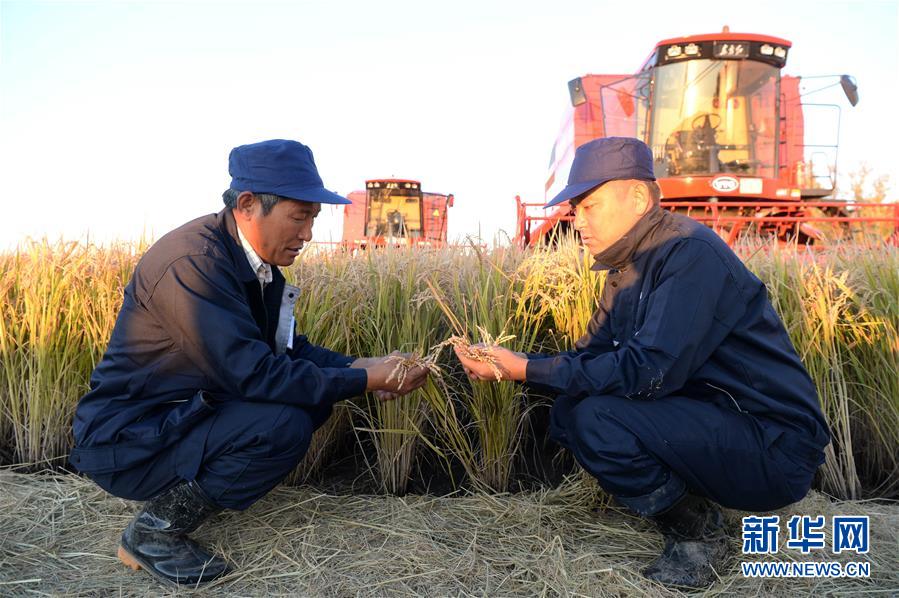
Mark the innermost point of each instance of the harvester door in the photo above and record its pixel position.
(815, 175)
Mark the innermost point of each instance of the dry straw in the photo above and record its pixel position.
(60, 534)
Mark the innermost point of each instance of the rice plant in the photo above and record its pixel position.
(872, 288)
(844, 328)
(59, 301)
(395, 312)
(560, 281)
(486, 299)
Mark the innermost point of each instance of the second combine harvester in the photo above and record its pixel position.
(395, 213)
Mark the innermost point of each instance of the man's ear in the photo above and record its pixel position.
(642, 198)
(246, 205)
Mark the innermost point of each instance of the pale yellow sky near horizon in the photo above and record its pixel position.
(116, 119)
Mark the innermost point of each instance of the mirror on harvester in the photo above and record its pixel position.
(576, 91)
(850, 88)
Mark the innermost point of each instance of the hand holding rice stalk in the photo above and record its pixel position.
(406, 364)
(484, 360)
(396, 374)
(409, 362)
(488, 360)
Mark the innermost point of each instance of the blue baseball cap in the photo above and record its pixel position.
(606, 159)
(279, 167)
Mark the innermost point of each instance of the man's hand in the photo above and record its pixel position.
(364, 362)
(509, 364)
(379, 369)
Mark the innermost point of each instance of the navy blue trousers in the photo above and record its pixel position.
(237, 455)
(648, 454)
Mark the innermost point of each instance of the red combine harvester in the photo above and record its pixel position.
(734, 144)
(395, 212)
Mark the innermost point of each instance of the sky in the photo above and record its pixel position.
(116, 118)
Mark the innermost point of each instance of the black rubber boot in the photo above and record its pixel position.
(156, 540)
(695, 544)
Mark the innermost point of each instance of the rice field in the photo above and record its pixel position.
(841, 307)
(454, 489)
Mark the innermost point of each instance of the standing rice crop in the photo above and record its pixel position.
(844, 329)
(486, 299)
(559, 280)
(59, 303)
(395, 312)
(872, 288)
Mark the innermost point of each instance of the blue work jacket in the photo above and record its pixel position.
(195, 329)
(681, 315)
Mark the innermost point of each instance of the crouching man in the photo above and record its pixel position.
(205, 398)
(685, 392)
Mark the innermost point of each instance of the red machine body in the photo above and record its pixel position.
(395, 212)
(727, 132)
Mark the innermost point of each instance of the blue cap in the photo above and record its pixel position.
(279, 167)
(606, 159)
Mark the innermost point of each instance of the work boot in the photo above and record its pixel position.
(695, 544)
(156, 540)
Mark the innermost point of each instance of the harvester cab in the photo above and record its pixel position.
(395, 213)
(728, 133)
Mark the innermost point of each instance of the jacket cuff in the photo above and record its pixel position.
(539, 371)
(351, 383)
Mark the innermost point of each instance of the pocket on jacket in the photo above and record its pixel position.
(164, 423)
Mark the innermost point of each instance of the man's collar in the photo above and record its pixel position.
(620, 253)
(244, 272)
(262, 270)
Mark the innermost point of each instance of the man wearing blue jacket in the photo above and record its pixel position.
(205, 398)
(685, 392)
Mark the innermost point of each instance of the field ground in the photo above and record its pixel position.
(58, 535)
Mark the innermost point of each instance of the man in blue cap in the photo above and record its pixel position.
(685, 392)
(205, 398)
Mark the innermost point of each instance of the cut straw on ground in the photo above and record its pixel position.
(59, 535)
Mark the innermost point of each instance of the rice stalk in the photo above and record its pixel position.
(395, 314)
(486, 298)
(58, 304)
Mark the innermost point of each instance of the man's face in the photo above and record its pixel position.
(279, 236)
(604, 215)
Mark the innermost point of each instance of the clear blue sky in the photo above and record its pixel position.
(117, 118)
